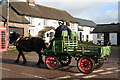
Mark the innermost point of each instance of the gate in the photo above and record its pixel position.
(3, 39)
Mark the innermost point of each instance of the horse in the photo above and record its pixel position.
(27, 45)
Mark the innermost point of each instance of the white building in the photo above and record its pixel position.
(41, 17)
(87, 27)
(105, 33)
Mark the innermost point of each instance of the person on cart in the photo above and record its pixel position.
(58, 32)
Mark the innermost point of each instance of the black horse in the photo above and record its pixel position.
(22, 44)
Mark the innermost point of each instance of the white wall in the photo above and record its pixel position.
(86, 31)
(47, 39)
(40, 23)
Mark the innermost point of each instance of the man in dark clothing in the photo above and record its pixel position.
(58, 32)
(62, 27)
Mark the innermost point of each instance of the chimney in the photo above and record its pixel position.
(31, 2)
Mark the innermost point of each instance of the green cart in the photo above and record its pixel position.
(88, 57)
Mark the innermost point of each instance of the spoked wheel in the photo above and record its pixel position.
(85, 65)
(65, 61)
(99, 64)
(51, 62)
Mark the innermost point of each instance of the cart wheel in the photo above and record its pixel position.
(65, 61)
(99, 64)
(51, 62)
(85, 65)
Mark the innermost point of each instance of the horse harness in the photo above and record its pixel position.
(17, 44)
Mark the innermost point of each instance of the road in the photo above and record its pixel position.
(31, 70)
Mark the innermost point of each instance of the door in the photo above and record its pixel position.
(87, 38)
(113, 38)
(80, 36)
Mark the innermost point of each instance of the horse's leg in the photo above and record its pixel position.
(40, 58)
(18, 58)
(24, 59)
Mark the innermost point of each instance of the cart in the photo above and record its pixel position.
(88, 57)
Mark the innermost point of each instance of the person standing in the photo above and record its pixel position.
(68, 24)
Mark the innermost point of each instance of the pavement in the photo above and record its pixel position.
(11, 70)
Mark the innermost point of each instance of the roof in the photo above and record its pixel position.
(106, 28)
(23, 8)
(47, 29)
(13, 17)
(84, 22)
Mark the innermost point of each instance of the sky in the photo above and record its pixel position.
(99, 11)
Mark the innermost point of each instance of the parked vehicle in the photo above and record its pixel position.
(88, 57)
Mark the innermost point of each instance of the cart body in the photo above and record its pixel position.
(68, 47)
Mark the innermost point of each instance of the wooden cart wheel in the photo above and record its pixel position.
(85, 65)
(51, 62)
(99, 64)
(65, 61)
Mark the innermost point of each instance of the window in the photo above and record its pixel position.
(100, 36)
(45, 22)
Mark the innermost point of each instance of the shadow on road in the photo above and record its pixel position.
(33, 64)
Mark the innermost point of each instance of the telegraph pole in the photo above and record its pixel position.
(7, 25)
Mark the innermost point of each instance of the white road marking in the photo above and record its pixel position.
(35, 76)
(79, 74)
(5, 69)
(117, 70)
(31, 75)
(90, 76)
(109, 72)
(111, 68)
(97, 71)
(64, 77)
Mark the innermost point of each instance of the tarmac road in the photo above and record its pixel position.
(31, 70)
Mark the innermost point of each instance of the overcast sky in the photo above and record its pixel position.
(100, 11)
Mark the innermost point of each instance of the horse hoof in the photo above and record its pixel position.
(16, 61)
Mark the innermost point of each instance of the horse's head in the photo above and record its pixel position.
(13, 37)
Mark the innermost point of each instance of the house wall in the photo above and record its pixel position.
(47, 38)
(24, 26)
(37, 24)
(86, 31)
(112, 37)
